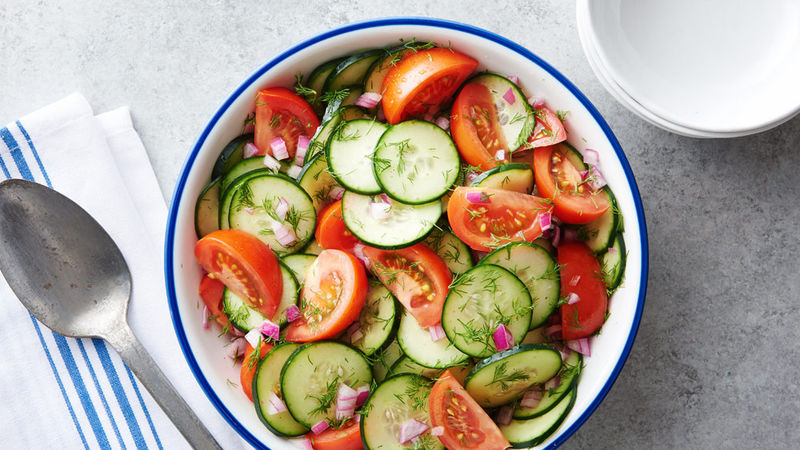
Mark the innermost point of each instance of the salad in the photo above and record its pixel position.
(404, 252)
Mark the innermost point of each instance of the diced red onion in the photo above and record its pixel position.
(591, 157)
(564, 351)
(598, 180)
(612, 250)
(379, 211)
(305, 443)
(276, 405)
(205, 318)
(279, 150)
(570, 234)
(443, 123)
(302, 149)
(552, 383)
(584, 174)
(345, 402)
(249, 127)
(581, 346)
(436, 332)
(281, 208)
(478, 197)
(270, 330)
(249, 150)
(536, 102)
(358, 252)
(504, 415)
(362, 393)
(573, 298)
(575, 280)
(358, 418)
(472, 176)
(509, 96)
(428, 117)
(368, 100)
(500, 155)
(545, 221)
(553, 329)
(531, 398)
(236, 348)
(513, 78)
(320, 426)
(479, 254)
(385, 198)
(410, 429)
(293, 313)
(294, 171)
(253, 337)
(356, 336)
(437, 431)
(336, 193)
(556, 236)
(271, 163)
(249, 210)
(381, 116)
(283, 234)
(503, 340)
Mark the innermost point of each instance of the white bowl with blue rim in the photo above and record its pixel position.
(586, 128)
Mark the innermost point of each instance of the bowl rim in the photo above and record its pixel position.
(169, 242)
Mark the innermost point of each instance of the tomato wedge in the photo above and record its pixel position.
(332, 297)
(581, 275)
(211, 291)
(475, 127)
(331, 231)
(422, 82)
(466, 424)
(506, 216)
(245, 265)
(249, 366)
(346, 438)
(416, 276)
(548, 129)
(559, 180)
(280, 113)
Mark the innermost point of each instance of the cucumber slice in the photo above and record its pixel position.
(417, 344)
(531, 432)
(535, 267)
(405, 225)
(313, 248)
(317, 181)
(350, 151)
(245, 317)
(351, 70)
(613, 261)
(316, 81)
(298, 264)
(227, 195)
(416, 162)
(568, 379)
(392, 403)
(242, 167)
(377, 320)
(320, 139)
(453, 252)
(268, 380)
(511, 177)
(253, 210)
(600, 234)
(516, 118)
(352, 112)
(480, 300)
(230, 155)
(353, 93)
(312, 375)
(505, 376)
(407, 365)
(535, 336)
(206, 210)
(385, 359)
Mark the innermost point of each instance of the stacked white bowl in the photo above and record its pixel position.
(699, 68)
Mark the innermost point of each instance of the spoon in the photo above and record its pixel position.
(66, 270)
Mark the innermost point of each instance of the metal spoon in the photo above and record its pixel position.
(66, 270)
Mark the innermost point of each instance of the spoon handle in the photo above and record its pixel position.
(141, 363)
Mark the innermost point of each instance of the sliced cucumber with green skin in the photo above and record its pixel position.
(573, 155)
(546, 244)
(405, 225)
(206, 210)
(253, 210)
(505, 376)
(299, 263)
(530, 432)
(613, 262)
(313, 248)
(535, 336)
(417, 344)
(312, 375)
(416, 162)
(317, 181)
(455, 254)
(478, 302)
(568, 379)
(352, 112)
(230, 155)
(537, 269)
(511, 177)
(242, 167)
(377, 320)
(385, 359)
(407, 365)
(351, 70)
(353, 95)
(394, 402)
(516, 118)
(268, 380)
(316, 81)
(228, 194)
(245, 317)
(320, 139)
(350, 152)
(600, 234)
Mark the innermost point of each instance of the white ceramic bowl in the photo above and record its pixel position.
(204, 351)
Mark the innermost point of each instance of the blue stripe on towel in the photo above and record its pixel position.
(100, 390)
(144, 407)
(35, 153)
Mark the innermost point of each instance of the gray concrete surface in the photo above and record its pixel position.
(716, 361)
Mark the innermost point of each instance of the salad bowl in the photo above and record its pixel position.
(205, 352)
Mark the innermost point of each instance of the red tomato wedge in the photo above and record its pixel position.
(280, 113)
(245, 265)
(346, 438)
(486, 218)
(466, 424)
(332, 297)
(416, 276)
(211, 291)
(423, 81)
(581, 275)
(331, 231)
(559, 180)
(475, 127)
(249, 366)
(548, 129)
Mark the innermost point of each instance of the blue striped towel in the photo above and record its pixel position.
(58, 392)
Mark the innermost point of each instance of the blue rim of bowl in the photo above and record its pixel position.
(437, 23)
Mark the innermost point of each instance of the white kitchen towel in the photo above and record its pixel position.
(58, 392)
